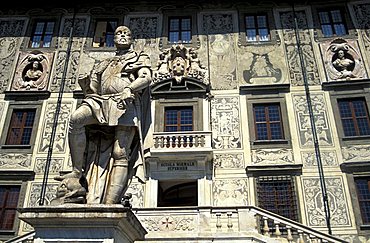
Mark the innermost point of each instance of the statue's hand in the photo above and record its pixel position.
(126, 97)
(83, 77)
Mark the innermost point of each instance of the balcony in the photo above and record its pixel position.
(174, 144)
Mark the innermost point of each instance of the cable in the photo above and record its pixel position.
(313, 127)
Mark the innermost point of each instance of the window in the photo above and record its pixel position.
(178, 119)
(42, 34)
(277, 194)
(20, 128)
(179, 30)
(354, 116)
(267, 121)
(8, 204)
(257, 28)
(363, 195)
(332, 23)
(171, 193)
(104, 33)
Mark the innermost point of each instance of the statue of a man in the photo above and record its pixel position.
(116, 100)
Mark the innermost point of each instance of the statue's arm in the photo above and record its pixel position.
(89, 82)
(144, 77)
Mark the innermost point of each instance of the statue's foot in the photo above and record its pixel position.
(73, 174)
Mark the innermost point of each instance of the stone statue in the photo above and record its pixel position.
(343, 64)
(108, 131)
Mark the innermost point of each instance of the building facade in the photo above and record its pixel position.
(254, 106)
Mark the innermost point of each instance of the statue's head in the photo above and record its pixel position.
(122, 37)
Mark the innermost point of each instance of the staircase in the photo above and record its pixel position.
(218, 224)
(225, 224)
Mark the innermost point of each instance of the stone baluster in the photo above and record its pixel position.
(229, 221)
(196, 141)
(277, 229)
(266, 228)
(300, 237)
(182, 141)
(202, 141)
(289, 234)
(218, 222)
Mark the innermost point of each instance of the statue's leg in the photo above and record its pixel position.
(119, 175)
(77, 139)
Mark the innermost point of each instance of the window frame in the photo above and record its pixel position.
(179, 123)
(32, 28)
(162, 104)
(271, 26)
(332, 22)
(15, 179)
(167, 15)
(353, 116)
(180, 30)
(5, 206)
(22, 126)
(268, 121)
(22, 105)
(354, 171)
(257, 27)
(267, 98)
(359, 200)
(278, 178)
(94, 27)
(348, 90)
(347, 21)
(91, 32)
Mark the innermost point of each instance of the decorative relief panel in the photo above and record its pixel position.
(56, 165)
(137, 191)
(33, 71)
(320, 116)
(10, 33)
(337, 202)
(295, 69)
(176, 223)
(272, 156)
(362, 12)
(15, 161)
(79, 32)
(62, 127)
(225, 123)
(356, 153)
(230, 192)
(221, 49)
(228, 161)
(72, 71)
(328, 159)
(342, 60)
(35, 192)
(179, 62)
(145, 32)
(262, 65)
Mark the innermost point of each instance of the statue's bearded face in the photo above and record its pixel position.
(122, 37)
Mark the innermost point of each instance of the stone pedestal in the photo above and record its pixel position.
(83, 223)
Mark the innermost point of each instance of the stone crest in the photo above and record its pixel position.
(179, 62)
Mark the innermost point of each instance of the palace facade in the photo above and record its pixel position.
(260, 114)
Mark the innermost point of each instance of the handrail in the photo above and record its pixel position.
(28, 237)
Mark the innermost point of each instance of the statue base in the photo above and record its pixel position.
(83, 223)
